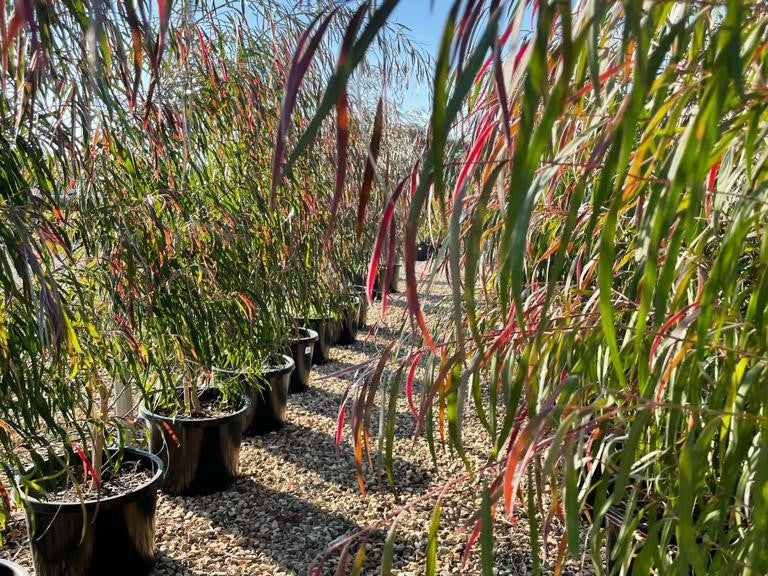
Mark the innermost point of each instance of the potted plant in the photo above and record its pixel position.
(63, 353)
(302, 347)
(195, 413)
(271, 398)
(89, 499)
(350, 319)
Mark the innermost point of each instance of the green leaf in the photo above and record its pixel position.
(486, 533)
(388, 551)
(432, 541)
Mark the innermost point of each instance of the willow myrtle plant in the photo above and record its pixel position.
(85, 246)
(35, 326)
(609, 207)
(62, 352)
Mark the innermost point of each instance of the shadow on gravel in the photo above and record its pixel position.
(167, 566)
(316, 451)
(326, 403)
(286, 529)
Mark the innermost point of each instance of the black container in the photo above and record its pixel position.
(361, 293)
(269, 401)
(381, 276)
(328, 331)
(119, 536)
(333, 326)
(422, 251)
(10, 569)
(302, 349)
(394, 283)
(350, 321)
(201, 454)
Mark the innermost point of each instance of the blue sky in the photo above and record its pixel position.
(425, 20)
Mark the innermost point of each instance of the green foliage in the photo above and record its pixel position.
(139, 252)
(610, 208)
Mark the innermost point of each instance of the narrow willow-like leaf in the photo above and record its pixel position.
(430, 569)
(357, 566)
(486, 533)
(339, 79)
(370, 167)
(342, 116)
(388, 551)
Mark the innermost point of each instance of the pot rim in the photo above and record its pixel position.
(18, 569)
(130, 495)
(328, 318)
(287, 366)
(147, 413)
(306, 335)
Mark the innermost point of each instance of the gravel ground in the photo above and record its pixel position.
(298, 493)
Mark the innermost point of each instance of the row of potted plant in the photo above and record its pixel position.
(148, 265)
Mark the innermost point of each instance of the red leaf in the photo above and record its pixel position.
(666, 326)
(389, 213)
(518, 458)
(370, 167)
(603, 77)
(409, 384)
(411, 284)
(340, 418)
(171, 433)
(4, 495)
(302, 58)
(521, 53)
(88, 471)
(164, 13)
(471, 161)
(712, 181)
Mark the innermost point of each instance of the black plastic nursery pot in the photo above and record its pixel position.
(111, 535)
(10, 569)
(328, 331)
(201, 454)
(350, 322)
(302, 349)
(423, 251)
(363, 320)
(269, 403)
(394, 282)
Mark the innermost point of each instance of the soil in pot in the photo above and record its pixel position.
(111, 533)
(10, 569)
(202, 452)
(302, 349)
(270, 400)
(350, 321)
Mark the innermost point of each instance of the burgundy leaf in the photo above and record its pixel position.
(370, 168)
(389, 213)
(342, 115)
(302, 58)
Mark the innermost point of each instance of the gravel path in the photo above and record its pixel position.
(297, 493)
